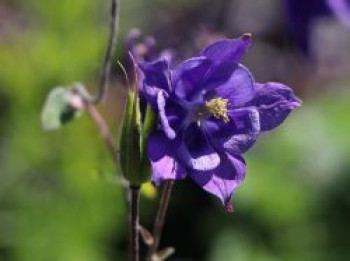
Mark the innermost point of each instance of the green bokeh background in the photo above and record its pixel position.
(60, 200)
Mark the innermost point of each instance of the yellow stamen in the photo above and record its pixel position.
(218, 107)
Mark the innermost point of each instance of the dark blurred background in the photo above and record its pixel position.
(59, 198)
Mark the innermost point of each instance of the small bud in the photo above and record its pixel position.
(229, 207)
(61, 106)
(163, 254)
(76, 102)
(146, 236)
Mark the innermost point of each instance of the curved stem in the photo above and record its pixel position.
(103, 127)
(134, 222)
(107, 63)
(159, 222)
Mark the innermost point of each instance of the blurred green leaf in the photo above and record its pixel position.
(51, 183)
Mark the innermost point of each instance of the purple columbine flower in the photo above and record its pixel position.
(210, 112)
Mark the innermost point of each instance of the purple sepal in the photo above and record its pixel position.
(274, 101)
(228, 49)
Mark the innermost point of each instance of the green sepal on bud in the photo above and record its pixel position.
(149, 125)
(134, 160)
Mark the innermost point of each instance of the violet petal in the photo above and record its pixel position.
(238, 89)
(223, 180)
(195, 151)
(237, 135)
(170, 113)
(161, 153)
(188, 76)
(341, 9)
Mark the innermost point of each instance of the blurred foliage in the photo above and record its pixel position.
(296, 189)
(58, 195)
(56, 202)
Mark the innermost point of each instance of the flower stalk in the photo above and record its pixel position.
(160, 218)
(134, 223)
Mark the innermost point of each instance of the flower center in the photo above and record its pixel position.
(216, 107)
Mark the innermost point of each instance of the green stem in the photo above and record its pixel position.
(134, 223)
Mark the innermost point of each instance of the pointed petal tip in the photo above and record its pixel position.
(229, 207)
(247, 37)
(296, 104)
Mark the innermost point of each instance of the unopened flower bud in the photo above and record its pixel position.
(134, 160)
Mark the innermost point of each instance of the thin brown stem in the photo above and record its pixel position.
(103, 127)
(107, 63)
(107, 136)
(134, 223)
(159, 222)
